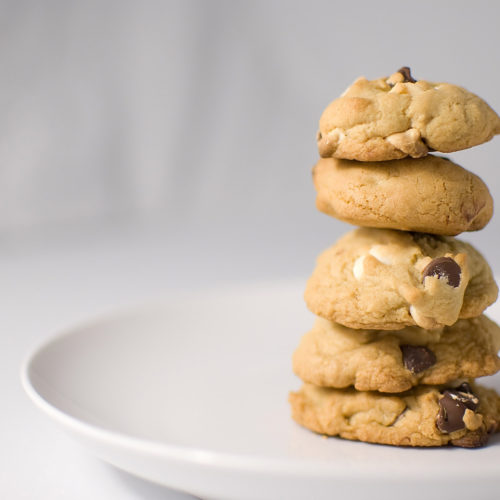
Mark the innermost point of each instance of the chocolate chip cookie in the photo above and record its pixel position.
(384, 279)
(464, 415)
(398, 116)
(430, 194)
(332, 355)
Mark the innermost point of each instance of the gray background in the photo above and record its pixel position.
(147, 147)
(200, 117)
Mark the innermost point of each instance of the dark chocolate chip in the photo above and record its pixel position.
(465, 387)
(405, 71)
(474, 439)
(444, 267)
(450, 416)
(465, 395)
(417, 358)
(452, 408)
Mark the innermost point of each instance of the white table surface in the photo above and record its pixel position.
(53, 280)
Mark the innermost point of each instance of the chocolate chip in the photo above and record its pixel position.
(417, 358)
(465, 387)
(452, 408)
(444, 267)
(405, 71)
(473, 439)
(450, 416)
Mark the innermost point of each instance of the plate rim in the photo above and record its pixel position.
(237, 462)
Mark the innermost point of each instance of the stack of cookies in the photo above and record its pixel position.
(400, 335)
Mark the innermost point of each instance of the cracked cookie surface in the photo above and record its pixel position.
(385, 279)
(395, 117)
(331, 355)
(408, 419)
(430, 195)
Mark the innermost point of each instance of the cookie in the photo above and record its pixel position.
(384, 279)
(395, 117)
(429, 195)
(425, 416)
(332, 355)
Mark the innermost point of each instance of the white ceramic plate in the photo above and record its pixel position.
(192, 393)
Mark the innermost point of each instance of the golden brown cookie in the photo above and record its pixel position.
(332, 355)
(425, 416)
(395, 117)
(429, 195)
(384, 279)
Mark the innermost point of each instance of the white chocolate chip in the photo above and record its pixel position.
(408, 142)
(336, 135)
(382, 254)
(414, 313)
(395, 78)
(399, 88)
(419, 318)
(358, 268)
